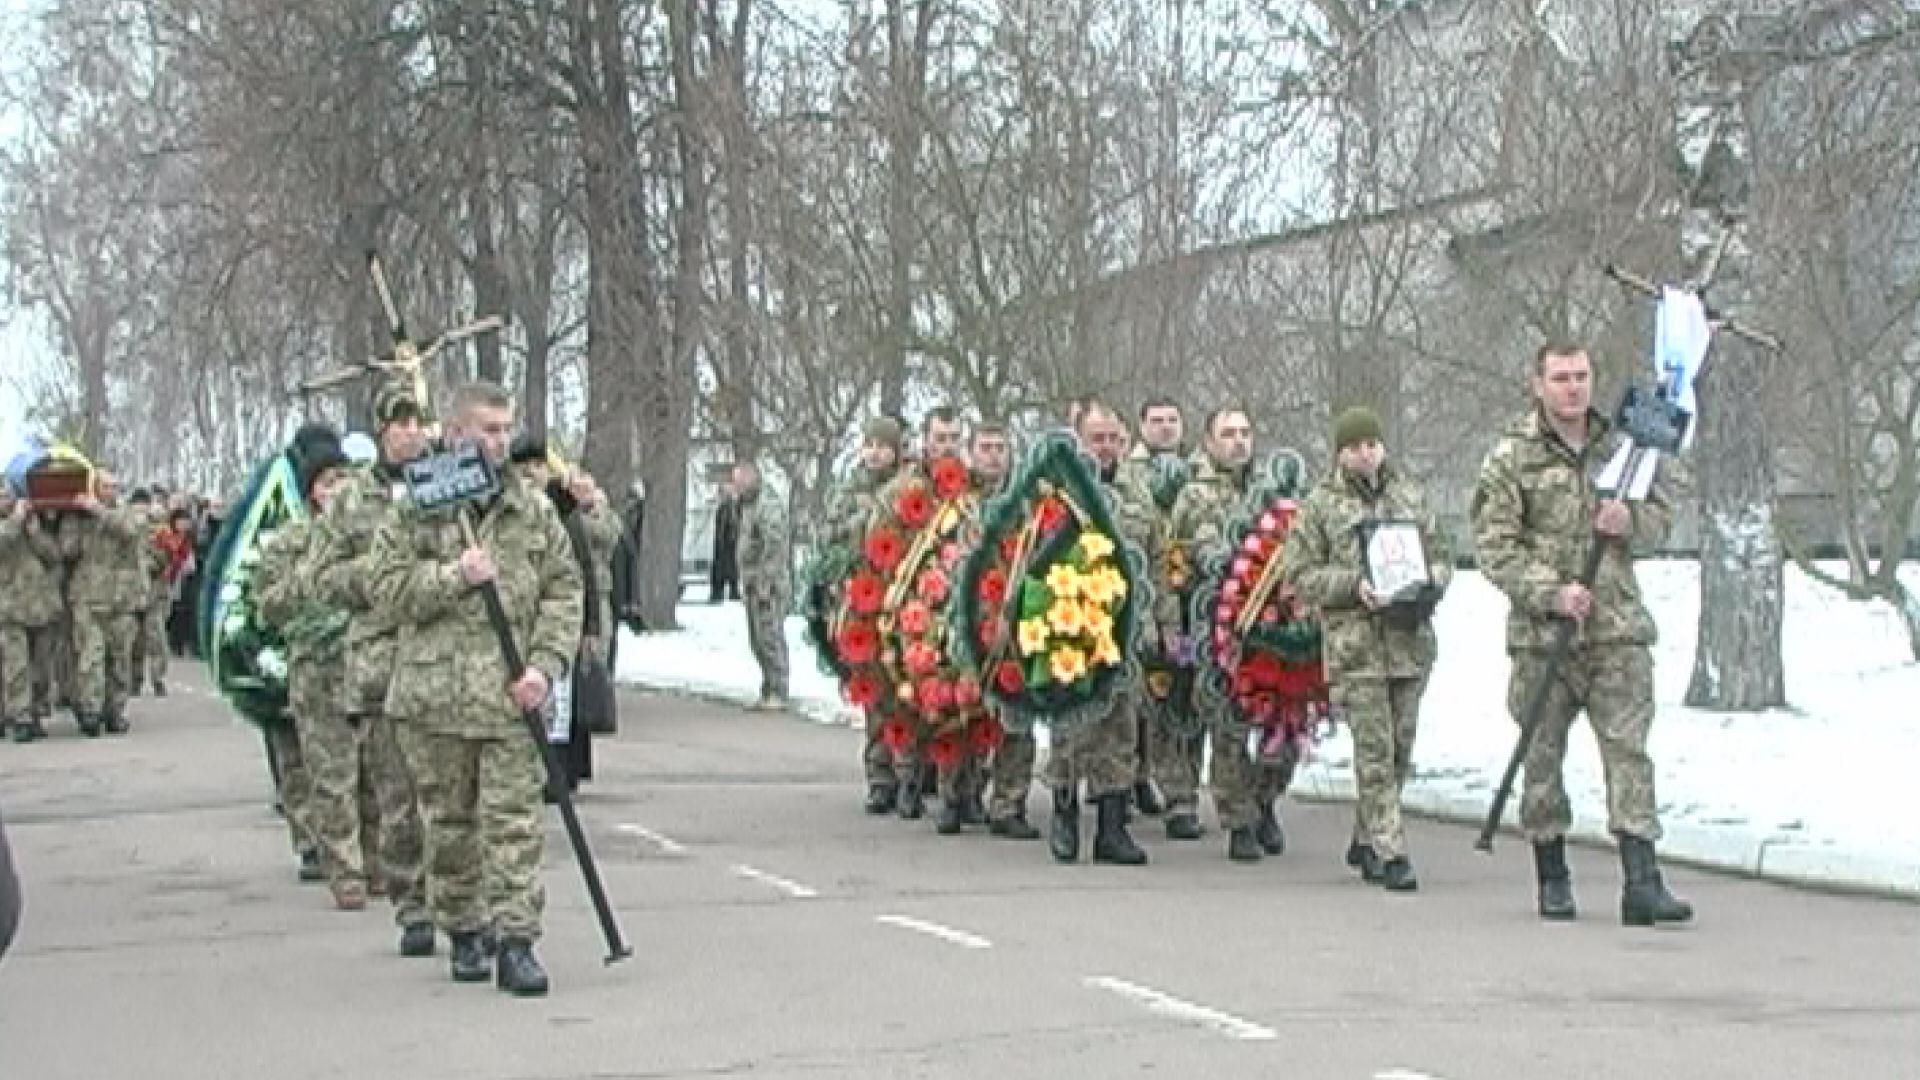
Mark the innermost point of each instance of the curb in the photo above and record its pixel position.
(1732, 851)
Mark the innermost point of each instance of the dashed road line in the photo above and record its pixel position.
(666, 844)
(1405, 1074)
(791, 888)
(933, 929)
(1167, 1005)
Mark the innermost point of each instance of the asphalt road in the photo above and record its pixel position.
(779, 931)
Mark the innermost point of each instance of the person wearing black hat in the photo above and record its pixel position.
(1379, 641)
(342, 579)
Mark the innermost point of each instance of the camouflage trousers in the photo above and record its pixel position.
(294, 784)
(1012, 774)
(402, 840)
(876, 757)
(1176, 765)
(767, 637)
(1243, 786)
(480, 803)
(1101, 752)
(330, 748)
(958, 780)
(1383, 715)
(1614, 684)
(103, 643)
(26, 668)
(153, 640)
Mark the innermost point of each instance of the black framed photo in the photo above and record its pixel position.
(1395, 559)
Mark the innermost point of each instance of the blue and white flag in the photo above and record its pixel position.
(1681, 336)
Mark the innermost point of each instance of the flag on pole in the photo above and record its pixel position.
(1681, 336)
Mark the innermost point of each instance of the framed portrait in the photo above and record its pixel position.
(1395, 559)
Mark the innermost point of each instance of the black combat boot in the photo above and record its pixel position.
(1014, 827)
(1147, 799)
(1064, 830)
(1556, 883)
(115, 722)
(1397, 875)
(1243, 845)
(948, 823)
(26, 731)
(973, 809)
(1112, 843)
(1184, 825)
(88, 723)
(416, 939)
(1644, 899)
(881, 798)
(518, 971)
(1362, 858)
(311, 871)
(469, 960)
(1267, 830)
(911, 805)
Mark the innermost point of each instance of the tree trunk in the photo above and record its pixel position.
(488, 275)
(906, 69)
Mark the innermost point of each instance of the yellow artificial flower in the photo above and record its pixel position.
(1064, 581)
(1066, 617)
(1033, 636)
(1106, 651)
(1115, 584)
(1069, 664)
(1095, 546)
(1099, 621)
(1098, 586)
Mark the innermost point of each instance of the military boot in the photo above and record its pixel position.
(518, 972)
(1064, 830)
(1147, 799)
(948, 823)
(26, 731)
(1644, 899)
(1184, 825)
(881, 798)
(1112, 843)
(1362, 858)
(973, 810)
(469, 960)
(115, 722)
(1243, 845)
(911, 805)
(416, 939)
(88, 724)
(311, 871)
(1397, 875)
(1014, 827)
(1267, 831)
(1556, 882)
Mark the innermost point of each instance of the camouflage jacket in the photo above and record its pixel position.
(342, 567)
(110, 573)
(285, 598)
(1322, 559)
(29, 574)
(1164, 472)
(851, 506)
(762, 551)
(1141, 524)
(1533, 519)
(448, 674)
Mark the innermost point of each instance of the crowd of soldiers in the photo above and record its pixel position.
(91, 592)
(1535, 512)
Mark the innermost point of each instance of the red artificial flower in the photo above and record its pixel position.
(950, 479)
(914, 619)
(966, 692)
(922, 658)
(1052, 513)
(862, 690)
(1270, 614)
(1269, 522)
(950, 554)
(944, 752)
(884, 549)
(1242, 569)
(933, 586)
(1299, 681)
(913, 507)
(865, 592)
(1008, 679)
(988, 633)
(985, 735)
(993, 587)
(934, 695)
(1254, 546)
(897, 736)
(858, 642)
(1009, 547)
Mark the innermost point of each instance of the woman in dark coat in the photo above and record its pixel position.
(530, 457)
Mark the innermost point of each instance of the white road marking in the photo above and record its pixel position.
(791, 888)
(944, 933)
(666, 844)
(1404, 1074)
(1167, 1005)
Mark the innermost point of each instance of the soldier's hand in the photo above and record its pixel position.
(530, 690)
(1573, 601)
(476, 566)
(87, 503)
(1368, 598)
(1613, 519)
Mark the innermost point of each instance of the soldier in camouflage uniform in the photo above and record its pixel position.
(1170, 760)
(153, 623)
(343, 578)
(106, 586)
(849, 508)
(1103, 752)
(990, 453)
(287, 594)
(1535, 511)
(1378, 650)
(1244, 790)
(460, 716)
(29, 614)
(766, 581)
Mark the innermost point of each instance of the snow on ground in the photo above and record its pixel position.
(1822, 792)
